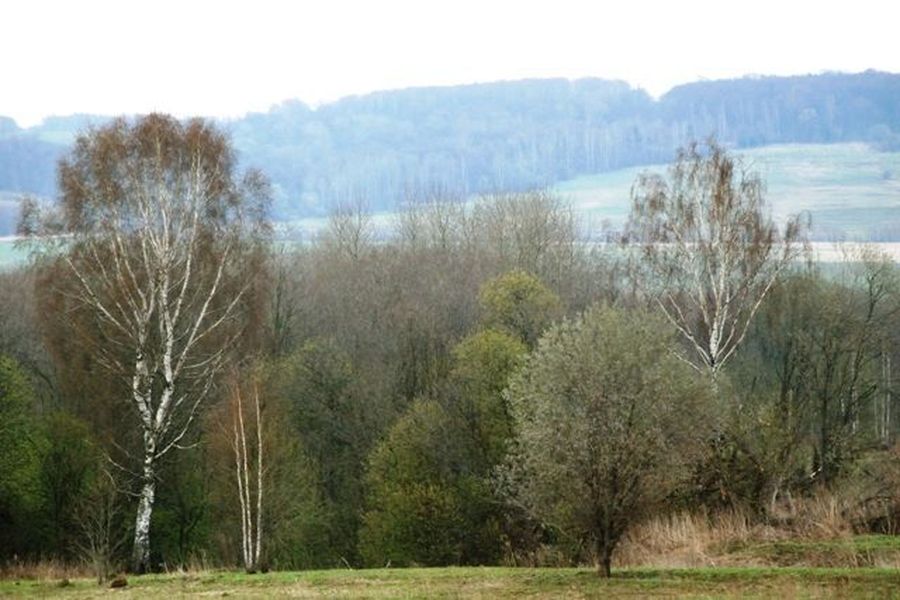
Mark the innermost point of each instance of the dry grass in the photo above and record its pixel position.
(57, 570)
(44, 570)
(821, 516)
(811, 532)
(686, 540)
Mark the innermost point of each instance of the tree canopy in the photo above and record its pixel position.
(606, 422)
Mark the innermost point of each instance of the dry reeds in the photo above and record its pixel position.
(817, 530)
(47, 569)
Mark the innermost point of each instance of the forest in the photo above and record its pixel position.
(482, 387)
(389, 148)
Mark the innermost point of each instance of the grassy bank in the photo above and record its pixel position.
(493, 583)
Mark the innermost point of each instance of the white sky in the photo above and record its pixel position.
(226, 58)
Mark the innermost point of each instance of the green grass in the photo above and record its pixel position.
(863, 550)
(851, 190)
(494, 583)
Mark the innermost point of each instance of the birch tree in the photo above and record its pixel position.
(248, 474)
(157, 233)
(709, 250)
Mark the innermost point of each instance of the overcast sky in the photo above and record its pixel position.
(226, 58)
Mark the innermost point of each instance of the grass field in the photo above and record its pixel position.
(851, 190)
(492, 582)
(689, 555)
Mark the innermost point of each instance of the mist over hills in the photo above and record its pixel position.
(387, 147)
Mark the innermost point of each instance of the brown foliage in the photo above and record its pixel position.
(709, 249)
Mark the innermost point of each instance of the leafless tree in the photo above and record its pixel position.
(99, 515)
(533, 231)
(710, 251)
(349, 229)
(156, 230)
(437, 222)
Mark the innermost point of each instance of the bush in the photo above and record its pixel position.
(425, 506)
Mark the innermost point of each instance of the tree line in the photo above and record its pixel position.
(481, 387)
(390, 147)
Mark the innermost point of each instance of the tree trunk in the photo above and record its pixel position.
(141, 554)
(606, 564)
(884, 418)
(604, 555)
(259, 477)
(251, 541)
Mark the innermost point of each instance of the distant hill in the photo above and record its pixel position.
(384, 147)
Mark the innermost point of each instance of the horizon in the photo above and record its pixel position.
(221, 61)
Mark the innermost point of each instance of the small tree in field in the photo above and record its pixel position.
(709, 249)
(606, 422)
(161, 242)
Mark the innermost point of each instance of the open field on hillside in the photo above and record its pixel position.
(10, 255)
(492, 582)
(9, 212)
(851, 190)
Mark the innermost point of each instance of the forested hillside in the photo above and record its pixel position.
(478, 387)
(382, 148)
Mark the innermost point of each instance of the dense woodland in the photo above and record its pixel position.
(482, 387)
(389, 148)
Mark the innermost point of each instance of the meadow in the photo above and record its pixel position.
(10, 254)
(681, 555)
(489, 582)
(851, 191)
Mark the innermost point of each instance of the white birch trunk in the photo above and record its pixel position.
(259, 477)
(141, 551)
(251, 516)
(881, 419)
